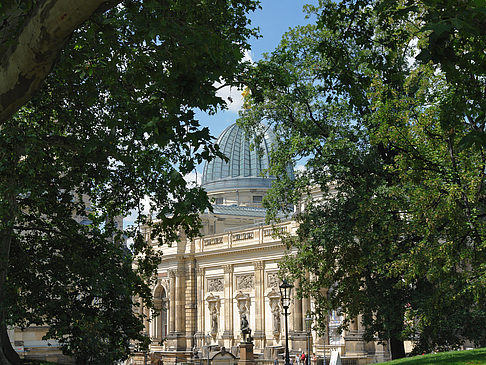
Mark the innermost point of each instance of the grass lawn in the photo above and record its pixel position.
(38, 362)
(470, 357)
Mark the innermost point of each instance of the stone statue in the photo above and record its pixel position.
(245, 329)
(214, 321)
(276, 321)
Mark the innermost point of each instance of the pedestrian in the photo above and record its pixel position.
(302, 358)
(275, 362)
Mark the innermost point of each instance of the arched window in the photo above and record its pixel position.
(159, 323)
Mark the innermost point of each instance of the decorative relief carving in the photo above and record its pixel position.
(243, 236)
(215, 284)
(245, 282)
(228, 268)
(273, 280)
(259, 265)
(213, 241)
(172, 273)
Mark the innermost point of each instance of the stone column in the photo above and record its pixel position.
(298, 318)
(146, 319)
(259, 305)
(172, 301)
(190, 304)
(306, 305)
(180, 325)
(179, 336)
(200, 308)
(298, 336)
(306, 308)
(157, 321)
(145, 313)
(228, 334)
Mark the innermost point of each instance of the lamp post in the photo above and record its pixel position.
(308, 327)
(285, 289)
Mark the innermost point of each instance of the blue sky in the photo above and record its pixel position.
(274, 19)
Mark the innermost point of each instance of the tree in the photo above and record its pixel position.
(398, 235)
(33, 35)
(113, 121)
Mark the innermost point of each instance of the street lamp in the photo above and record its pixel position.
(285, 289)
(308, 327)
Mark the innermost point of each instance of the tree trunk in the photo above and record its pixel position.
(8, 356)
(397, 348)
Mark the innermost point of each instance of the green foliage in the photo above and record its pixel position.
(114, 121)
(470, 357)
(385, 132)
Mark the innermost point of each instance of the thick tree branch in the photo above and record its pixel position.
(32, 54)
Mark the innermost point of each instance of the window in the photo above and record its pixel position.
(218, 200)
(257, 198)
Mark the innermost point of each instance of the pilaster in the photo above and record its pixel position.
(297, 335)
(228, 333)
(172, 301)
(200, 308)
(259, 334)
(177, 338)
(180, 324)
(190, 304)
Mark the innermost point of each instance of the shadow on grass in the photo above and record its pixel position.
(471, 357)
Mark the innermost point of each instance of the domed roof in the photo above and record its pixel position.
(244, 167)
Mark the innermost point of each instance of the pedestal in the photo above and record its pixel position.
(246, 354)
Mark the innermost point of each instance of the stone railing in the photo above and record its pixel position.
(252, 235)
(244, 236)
(275, 231)
(213, 241)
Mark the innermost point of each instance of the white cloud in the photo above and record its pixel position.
(194, 178)
(232, 95)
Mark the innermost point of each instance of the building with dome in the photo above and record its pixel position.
(206, 285)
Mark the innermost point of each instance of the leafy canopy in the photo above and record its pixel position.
(114, 121)
(384, 102)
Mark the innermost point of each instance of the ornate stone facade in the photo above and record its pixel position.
(231, 271)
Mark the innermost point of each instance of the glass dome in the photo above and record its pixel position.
(244, 167)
